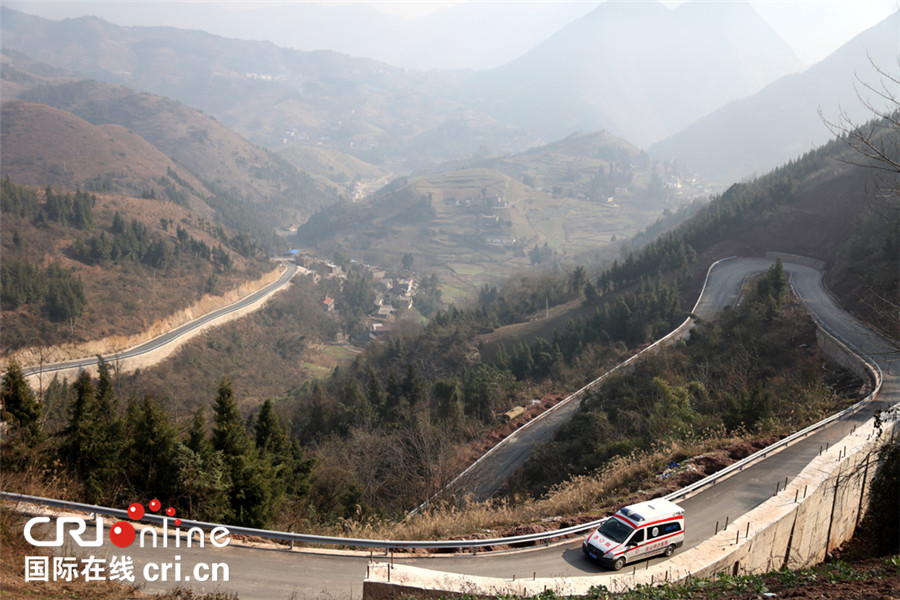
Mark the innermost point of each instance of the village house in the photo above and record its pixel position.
(404, 286)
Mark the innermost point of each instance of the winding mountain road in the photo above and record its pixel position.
(269, 573)
(174, 335)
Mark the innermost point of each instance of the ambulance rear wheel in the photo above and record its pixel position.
(620, 562)
(670, 550)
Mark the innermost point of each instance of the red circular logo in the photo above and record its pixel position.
(136, 511)
(121, 534)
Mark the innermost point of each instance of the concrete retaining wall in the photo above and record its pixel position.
(815, 513)
(840, 355)
(796, 528)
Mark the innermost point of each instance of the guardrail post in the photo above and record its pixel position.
(726, 524)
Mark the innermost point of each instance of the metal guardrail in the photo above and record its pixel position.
(877, 377)
(476, 543)
(292, 538)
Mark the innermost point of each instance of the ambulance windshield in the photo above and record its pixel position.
(615, 530)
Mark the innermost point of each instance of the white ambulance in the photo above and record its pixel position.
(637, 532)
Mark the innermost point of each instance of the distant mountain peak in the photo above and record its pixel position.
(640, 69)
(782, 121)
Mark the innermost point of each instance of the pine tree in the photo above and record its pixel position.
(92, 441)
(152, 448)
(354, 406)
(229, 435)
(118, 224)
(374, 391)
(198, 441)
(19, 405)
(413, 386)
(590, 293)
(202, 483)
(251, 491)
(200, 476)
(394, 401)
(270, 435)
(283, 462)
(449, 403)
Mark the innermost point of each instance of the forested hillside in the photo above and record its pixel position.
(754, 369)
(377, 438)
(417, 396)
(82, 266)
(387, 428)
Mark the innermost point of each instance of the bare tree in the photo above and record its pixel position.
(877, 142)
(876, 146)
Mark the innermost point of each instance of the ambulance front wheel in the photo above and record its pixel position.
(620, 562)
(670, 550)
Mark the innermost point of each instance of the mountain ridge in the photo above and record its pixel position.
(729, 143)
(272, 96)
(637, 69)
(223, 165)
(48, 146)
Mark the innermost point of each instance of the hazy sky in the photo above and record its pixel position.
(813, 28)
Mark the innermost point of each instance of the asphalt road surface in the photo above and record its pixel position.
(272, 574)
(174, 334)
(485, 478)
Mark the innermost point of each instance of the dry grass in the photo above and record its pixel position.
(580, 499)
